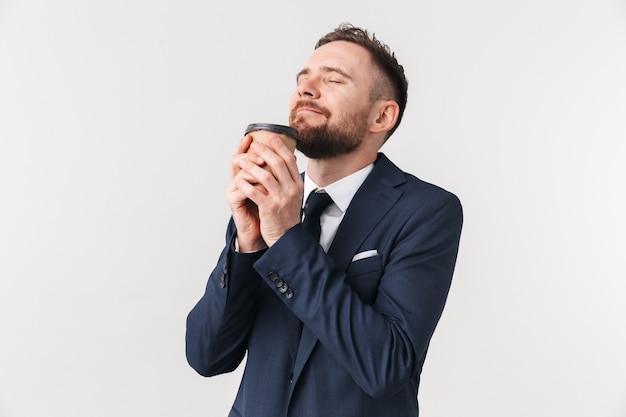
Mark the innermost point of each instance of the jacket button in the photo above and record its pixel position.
(279, 282)
(283, 288)
(289, 293)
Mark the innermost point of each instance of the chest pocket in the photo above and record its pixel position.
(363, 276)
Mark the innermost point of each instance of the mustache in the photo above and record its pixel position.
(311, 105)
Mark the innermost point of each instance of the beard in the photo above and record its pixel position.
(328, 141)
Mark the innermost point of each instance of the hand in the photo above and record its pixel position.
(277, 191)
(244, 211)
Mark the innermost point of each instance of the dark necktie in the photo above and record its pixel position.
(315, 205)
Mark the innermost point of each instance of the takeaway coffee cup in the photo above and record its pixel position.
(261, 132)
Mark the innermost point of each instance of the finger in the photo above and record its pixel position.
(287, 155)
(255, 175)
(240, 150)
(251, 191)
(244, 144)
(287, 170)
(269, 154)
(243, 151)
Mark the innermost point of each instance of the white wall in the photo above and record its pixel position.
(117, 121)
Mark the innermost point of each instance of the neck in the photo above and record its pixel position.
(326, 171)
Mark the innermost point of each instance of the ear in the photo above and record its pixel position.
(384, 115)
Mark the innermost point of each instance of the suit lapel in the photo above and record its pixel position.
(378, 194)
(371, 202)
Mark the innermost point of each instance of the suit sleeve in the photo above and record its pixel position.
(218, 325)
(382, 344)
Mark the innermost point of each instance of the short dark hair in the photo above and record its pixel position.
(382, 56)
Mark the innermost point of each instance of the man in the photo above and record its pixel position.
(340, 326)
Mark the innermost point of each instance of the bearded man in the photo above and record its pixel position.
(335, 322)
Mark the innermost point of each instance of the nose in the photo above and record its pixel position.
(308, 87)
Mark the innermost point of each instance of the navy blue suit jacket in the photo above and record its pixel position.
(330, 334)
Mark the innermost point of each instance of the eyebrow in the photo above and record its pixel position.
(325, 69)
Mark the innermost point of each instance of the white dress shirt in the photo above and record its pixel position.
(341, 192)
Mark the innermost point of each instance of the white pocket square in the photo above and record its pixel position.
(365, 254)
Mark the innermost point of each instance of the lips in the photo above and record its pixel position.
(305, 114)
(307, 110)
(307, 107)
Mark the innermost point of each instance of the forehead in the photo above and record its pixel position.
(349, 57)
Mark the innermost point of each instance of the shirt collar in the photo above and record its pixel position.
(341, 191)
